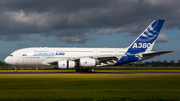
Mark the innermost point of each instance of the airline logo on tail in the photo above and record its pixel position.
(141, 45)
(147, 38)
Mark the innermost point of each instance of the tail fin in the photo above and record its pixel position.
(147, 38)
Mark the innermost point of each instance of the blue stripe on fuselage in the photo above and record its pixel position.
(127, 59)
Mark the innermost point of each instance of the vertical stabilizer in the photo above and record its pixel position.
(147, 38)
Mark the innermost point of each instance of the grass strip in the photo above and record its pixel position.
(90, 87)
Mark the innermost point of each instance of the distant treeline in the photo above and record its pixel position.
(3, 64)
(154, 64)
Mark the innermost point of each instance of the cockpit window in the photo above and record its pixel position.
(11, 55)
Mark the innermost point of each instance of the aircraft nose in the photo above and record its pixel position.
(8, 60)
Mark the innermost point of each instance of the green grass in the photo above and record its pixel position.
(90, 87)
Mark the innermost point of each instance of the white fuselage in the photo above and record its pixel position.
(40, 56)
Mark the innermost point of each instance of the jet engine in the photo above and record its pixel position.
(64, 64)
(87, 62)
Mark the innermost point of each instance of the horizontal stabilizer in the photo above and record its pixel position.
(153, 54)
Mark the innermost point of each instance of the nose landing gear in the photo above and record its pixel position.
(15, 69)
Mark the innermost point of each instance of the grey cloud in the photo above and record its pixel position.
(71, 19)
(22, 44)
(162, 38)
(35, 40)
(77, 39)
(131, 29)
(13, 37)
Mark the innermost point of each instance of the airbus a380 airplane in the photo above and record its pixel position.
(86, 58)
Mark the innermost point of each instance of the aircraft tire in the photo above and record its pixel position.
(77, 70)
(84, 70)
(15, 70)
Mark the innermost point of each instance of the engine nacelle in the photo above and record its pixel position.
(87, 62)
(64, 64)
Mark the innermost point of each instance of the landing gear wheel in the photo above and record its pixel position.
(92, 70)
(77, 70)
(85, 70)
(15, 70)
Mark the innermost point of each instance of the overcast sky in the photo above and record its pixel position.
(86, 23)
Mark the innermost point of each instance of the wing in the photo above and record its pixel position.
(99, 59)
(106, 59)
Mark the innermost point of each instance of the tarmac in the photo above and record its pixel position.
(95, 72)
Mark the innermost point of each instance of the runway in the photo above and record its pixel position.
(96, 72)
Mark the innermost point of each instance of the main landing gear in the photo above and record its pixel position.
(84, 70)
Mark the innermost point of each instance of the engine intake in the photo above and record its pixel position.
(87, 62)
(64, 64)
